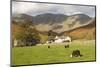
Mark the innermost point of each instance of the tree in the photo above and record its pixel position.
(28, 36)
(51, 35)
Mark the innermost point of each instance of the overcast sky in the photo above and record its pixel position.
(40, 8)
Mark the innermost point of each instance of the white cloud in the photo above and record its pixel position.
(38, 8)
(23, 7)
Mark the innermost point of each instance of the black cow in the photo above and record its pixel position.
(76, 53)
(66, 46)
(48, 46)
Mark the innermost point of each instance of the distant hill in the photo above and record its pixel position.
(78, 26)
(82, 18)
(56, 22)
(86, 31)
(49, 18)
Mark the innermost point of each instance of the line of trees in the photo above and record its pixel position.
(25, 35)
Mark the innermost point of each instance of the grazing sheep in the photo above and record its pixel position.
(76, 53)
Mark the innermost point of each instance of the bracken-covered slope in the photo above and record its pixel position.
(83, 32)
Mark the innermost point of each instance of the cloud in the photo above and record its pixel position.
(22, 7)
(39, 8)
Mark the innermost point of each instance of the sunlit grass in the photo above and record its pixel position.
(55, 54)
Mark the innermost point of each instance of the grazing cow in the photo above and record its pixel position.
(76, 53)
(48, 46)
(66, 46)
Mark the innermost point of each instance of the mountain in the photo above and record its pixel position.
(86, 31)
(82, 18)
(71, 22)
(49, 18)
(42, 18)
(22, 18)
(56, 22)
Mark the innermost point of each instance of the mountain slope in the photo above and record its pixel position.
(55, 22)
(84, 32)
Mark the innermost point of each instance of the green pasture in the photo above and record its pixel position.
(55, 54)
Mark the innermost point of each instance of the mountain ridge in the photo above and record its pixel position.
(55, 22)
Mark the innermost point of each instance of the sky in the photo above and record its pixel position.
(33, 9)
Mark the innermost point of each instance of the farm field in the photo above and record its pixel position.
(41, 54)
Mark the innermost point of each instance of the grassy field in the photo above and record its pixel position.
(57, 53)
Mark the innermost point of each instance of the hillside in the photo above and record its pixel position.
(78, 26)
(55, 22)
(84, 32)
